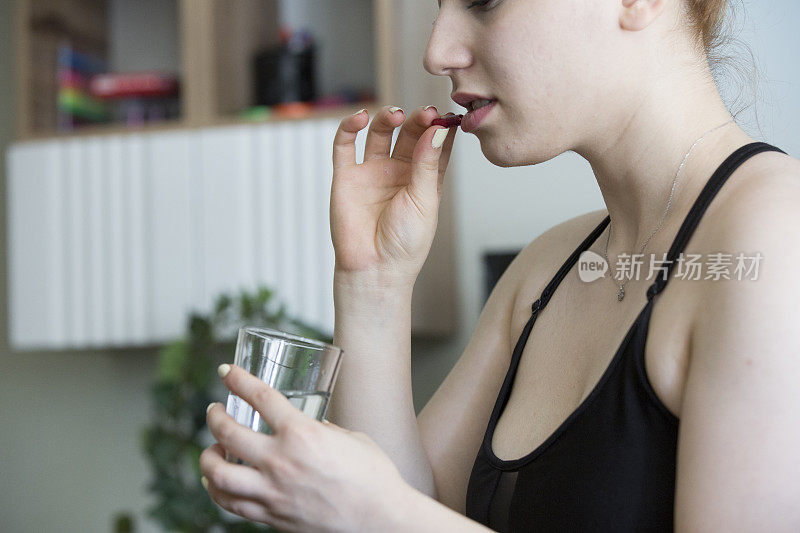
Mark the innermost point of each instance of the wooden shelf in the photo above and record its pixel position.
(169, 125)
(217, 40)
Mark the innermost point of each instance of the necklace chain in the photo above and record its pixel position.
(621, 292)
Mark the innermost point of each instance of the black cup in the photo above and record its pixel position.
(285, 75)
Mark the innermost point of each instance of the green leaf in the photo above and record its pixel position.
(263, 297)
(167, 398)
(222, 304)
(123, 523)
(247, 309)
(193, 452)
(171, 361)
(202, 370)
(199, 328)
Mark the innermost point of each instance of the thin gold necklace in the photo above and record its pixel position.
(621, 292)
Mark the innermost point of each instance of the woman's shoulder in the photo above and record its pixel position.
(760, 200)
(535, 265)
(771, 167)
(768, 172)
(755, 220)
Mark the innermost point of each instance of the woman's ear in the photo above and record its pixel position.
(635, 15)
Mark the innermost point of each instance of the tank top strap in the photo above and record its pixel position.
(567, 266)
(712, 187)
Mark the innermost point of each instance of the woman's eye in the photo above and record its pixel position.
(478, 3)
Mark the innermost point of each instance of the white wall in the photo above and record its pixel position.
(774, 46)
(70, 422)
(130, 49)
(344, 37)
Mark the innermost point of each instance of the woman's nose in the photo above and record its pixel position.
(446, 48)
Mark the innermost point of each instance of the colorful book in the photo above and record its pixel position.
(134, 85)
(73, 102)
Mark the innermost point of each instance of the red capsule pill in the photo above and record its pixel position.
(451, 121)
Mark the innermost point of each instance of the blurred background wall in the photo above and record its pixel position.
(69, 427)
(70, 455)
(70, 421)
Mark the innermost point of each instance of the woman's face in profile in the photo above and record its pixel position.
(552, 65)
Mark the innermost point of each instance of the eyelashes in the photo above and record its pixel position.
(478, 3)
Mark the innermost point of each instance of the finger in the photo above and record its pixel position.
(444, 158)
(275, 409)
(238, 480)
(240, 440)
(419, 121)
(344, 142)
(379, 138)
(424, 184)
(246, 508)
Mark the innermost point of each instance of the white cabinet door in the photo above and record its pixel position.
(174, 234)
(37, 270)
(113, 240)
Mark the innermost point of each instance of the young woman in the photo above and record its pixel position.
(639, 402)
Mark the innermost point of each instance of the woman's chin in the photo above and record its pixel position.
(496, 151)
(511, 155)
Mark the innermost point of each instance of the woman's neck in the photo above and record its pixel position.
(635, 159)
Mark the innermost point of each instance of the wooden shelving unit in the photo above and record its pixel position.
(158, 189)
(217, 39)
(113, 129)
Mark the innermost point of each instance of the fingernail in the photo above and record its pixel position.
(223, 369)
(359, 112)
(204, 482)
(431, 106)
(438, 137)
(212, 404)
(393, 109)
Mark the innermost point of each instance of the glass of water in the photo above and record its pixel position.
(304, 370)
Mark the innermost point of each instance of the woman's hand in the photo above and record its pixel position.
(308, 476)
(384, 211)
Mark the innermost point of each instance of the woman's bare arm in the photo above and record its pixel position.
(373, 391)
(421, 514)
(738, 447)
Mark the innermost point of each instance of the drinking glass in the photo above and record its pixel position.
(304, 370)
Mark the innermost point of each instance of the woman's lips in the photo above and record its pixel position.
(474, 118)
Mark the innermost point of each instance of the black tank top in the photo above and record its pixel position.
(610, 466)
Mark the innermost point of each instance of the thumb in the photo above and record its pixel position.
(424, 184)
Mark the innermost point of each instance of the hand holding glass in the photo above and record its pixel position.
(304, 370)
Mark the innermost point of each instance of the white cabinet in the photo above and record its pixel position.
(114, 239)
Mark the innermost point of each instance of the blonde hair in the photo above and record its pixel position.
(711, 23)
(706, 19)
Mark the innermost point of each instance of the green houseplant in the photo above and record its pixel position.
(186, 382)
